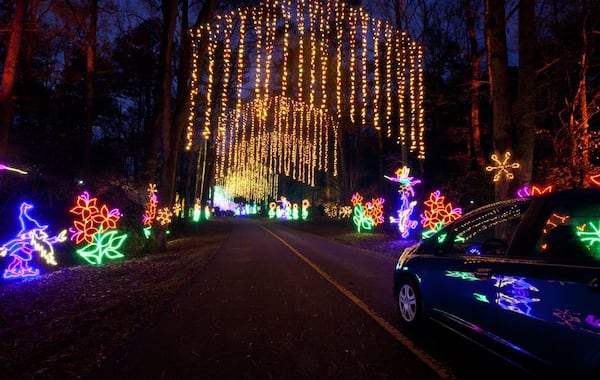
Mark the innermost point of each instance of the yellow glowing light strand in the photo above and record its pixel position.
(300, 5)
(388, 80)
(285, 9)
(376, 109)
(257, 19)
(363, 69)
(413, 96)
(313, 54)
(240, 64)
(221, 137)
(420, 104)
(271, 24)
(502, 168)
(352, 64)
(338, 68)
(324, 56)
(401, 75)
(189, 134)
(212, 46)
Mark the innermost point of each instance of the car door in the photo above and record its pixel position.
(548, 300)
(465, 287)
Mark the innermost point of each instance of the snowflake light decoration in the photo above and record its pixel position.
(502, 168)
(164, 216)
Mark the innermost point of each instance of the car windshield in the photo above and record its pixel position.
(488, 230)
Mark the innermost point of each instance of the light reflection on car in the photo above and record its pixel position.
(521, 277)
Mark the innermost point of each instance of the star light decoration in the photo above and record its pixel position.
(96, 228)
(502, 168)
(406, 190)
(31, 237)
(439, 212)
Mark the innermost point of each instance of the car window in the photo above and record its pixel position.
(488, 232)
(571, 230)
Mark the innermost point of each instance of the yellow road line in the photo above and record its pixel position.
(442, 372)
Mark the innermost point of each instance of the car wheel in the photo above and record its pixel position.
(409, 302)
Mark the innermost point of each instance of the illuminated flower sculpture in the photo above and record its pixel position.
(96, 227)
(32, 237)
(305, 206)
(368, 215)
(150, 212)
(438, 214)
(406, 191)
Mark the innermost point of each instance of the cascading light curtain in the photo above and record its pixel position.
(279, 77)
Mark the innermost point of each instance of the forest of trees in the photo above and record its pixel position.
(100, 88)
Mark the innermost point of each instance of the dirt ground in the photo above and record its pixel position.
(61, 324)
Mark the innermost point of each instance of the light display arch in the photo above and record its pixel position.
(317, 63)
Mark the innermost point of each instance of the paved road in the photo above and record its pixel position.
(276, 303)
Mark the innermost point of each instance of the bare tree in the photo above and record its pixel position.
(475, 55)
(89, 84)
(495, 28)
(526, 95)
(9, 75)
(585, 102)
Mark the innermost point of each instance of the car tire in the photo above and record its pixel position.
(409, 302)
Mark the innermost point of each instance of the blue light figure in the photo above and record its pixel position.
(32, 237)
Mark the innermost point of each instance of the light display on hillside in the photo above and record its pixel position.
(32, 237)
(502, 168)
(406, 190)
(96, 227)
(288, 72)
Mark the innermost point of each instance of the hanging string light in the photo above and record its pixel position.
(376, 80)
(212, 46)
(401, 75)
(364, 68)
(388, 80)
(352, 63)
(284, 133)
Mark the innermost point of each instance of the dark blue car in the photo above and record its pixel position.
(521, 277)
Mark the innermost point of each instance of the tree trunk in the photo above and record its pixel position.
(183, 91)
(526, 96)
(495, 38)
(475, 55)
(9, 76)
(89, 87)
